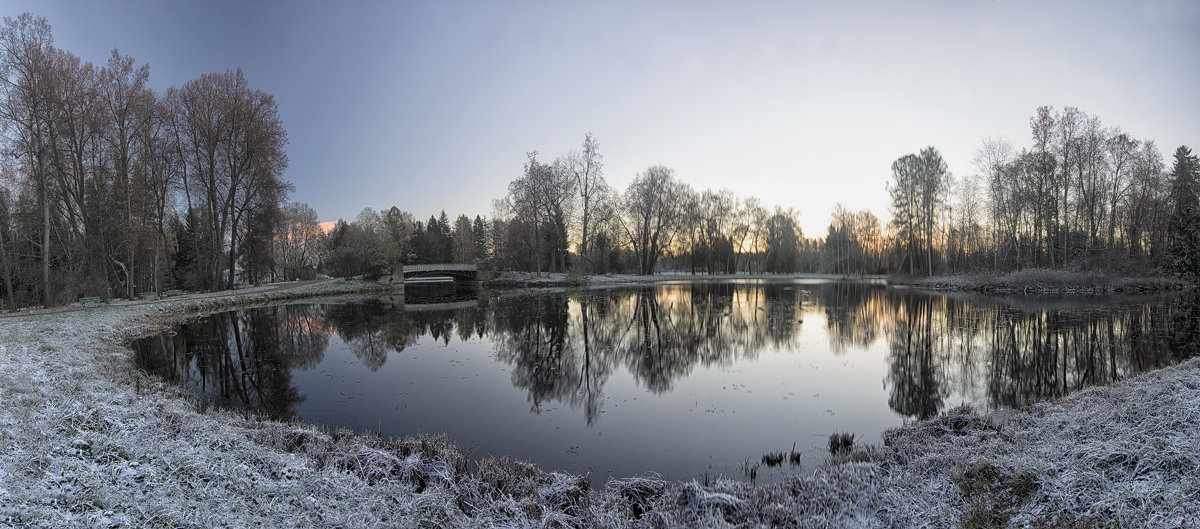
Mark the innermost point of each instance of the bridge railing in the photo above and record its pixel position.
(452, 267)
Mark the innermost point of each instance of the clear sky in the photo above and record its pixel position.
(433, 105)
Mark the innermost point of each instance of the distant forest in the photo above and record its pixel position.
(110, 189)
(1083, 196)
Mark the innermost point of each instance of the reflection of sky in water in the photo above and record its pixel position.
(680, 379)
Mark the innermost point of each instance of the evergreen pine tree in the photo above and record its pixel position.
(479, 230)
(445, 242)
(1185, 214)
(186, 237)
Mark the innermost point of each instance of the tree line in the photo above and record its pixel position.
(113, 190)
(1081, 195)
(110, 189)
(562, 216)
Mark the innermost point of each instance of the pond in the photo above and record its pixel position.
(686, 379)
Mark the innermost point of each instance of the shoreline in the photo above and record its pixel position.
(516, 280)
(1030, 282)
(1043, 282)
(88, 441)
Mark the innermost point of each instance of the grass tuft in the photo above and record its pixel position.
(773, 459)
(841, 443)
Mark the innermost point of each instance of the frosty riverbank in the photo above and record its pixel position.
(87, 442)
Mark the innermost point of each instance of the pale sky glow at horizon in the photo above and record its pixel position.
(433, 105)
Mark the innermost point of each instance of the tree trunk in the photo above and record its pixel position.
(4, 266)
(47, 295)
(132, 238)
(232, 246)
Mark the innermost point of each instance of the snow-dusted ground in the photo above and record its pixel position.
(1047, 281)
(87, 442)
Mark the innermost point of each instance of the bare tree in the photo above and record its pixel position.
(198, 124)
(128, 106)
(255, 158)
(918, 190)
(161, 172)
(965, 223)
(906, 211)
(463, 240)
(759, 217)
(82, 186)
(783, 242)
(990, 160)
(233, 143)
(869, 237)
(25, 44)
(839, 239)
(1148, 201)
(933, 176)
(541, 198)
(1068, 128)
(1091, 166)
(716, 210)
(690, 230)
(102, 157)
(587, 169)
(1042, 171)
(652, 214)
(297, 254)
(1122, 151)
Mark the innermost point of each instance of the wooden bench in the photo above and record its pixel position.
(172, 293)
(90, 299)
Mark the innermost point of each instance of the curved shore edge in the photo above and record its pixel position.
(86, 441)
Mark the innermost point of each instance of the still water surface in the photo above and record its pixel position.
(679, 378)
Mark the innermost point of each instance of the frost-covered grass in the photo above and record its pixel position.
(1126, 455)
(1046, 281)
(85, 441)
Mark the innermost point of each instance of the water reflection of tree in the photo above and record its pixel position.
(1185, 327)
(465, 321)
(373, 329)
(658, 350)
(564, 347)
(854, 313)
(264, 380)
(535, 344)
(916, 388)
(783, 307)
(598, 348)
(995, 354)
(240, 359)
(1011, 354)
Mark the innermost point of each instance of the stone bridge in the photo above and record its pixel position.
(460, 273)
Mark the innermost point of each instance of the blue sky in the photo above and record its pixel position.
(433, 105)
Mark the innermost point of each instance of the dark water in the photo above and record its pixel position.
(683, 379)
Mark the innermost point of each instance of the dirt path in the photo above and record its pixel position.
(120, 302)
